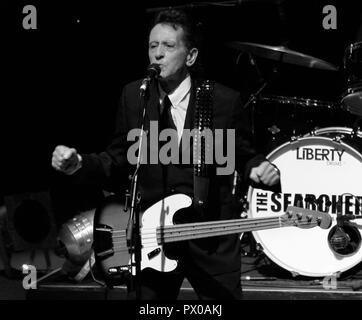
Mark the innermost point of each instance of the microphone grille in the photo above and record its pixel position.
(154, 69)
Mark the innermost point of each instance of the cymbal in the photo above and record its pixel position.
(282, 54)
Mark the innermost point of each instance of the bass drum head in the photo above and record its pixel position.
(316, 171)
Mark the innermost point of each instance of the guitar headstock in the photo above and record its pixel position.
(305, 218)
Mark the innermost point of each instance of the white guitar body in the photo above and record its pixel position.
(160, 214)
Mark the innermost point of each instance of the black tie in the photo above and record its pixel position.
(166, 120)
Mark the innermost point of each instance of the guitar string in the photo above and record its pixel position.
(144, 245)
(197, 229)
(149, 233)
(211, 223)
(166, 233)
(147, 244)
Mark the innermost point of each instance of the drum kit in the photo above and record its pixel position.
(320, 165)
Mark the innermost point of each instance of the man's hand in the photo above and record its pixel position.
(66, 160)
(265, 173)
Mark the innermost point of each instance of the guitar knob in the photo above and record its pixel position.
(309, 217)
(299, 215)
(319, 220)
(290, 214)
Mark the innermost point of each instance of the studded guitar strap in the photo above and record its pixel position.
(203, 139)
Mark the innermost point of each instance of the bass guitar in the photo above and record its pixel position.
(157, 228)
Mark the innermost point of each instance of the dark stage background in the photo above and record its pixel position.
(61, 82)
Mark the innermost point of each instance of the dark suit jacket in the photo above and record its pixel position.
(217, 254)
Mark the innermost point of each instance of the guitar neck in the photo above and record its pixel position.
(200, 230)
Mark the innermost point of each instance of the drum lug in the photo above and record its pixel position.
(338, 139)
(244, 208)
(294, 139)
(259, 247)
(354, 132)
(294, 274)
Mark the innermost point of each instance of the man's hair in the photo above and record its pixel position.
(176, 19)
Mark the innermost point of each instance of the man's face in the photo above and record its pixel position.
(167, 48)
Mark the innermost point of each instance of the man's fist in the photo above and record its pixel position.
(66, 160)
(265, 173)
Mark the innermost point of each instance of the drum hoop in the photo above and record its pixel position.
(344, 130)
(349, 50)
(352, 89)
(351, 47)
(299, 101)
(275, 154)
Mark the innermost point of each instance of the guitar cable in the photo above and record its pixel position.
(103, 284)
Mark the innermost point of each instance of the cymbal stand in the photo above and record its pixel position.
(254, 96)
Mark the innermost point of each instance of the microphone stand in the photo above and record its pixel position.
(133, 236)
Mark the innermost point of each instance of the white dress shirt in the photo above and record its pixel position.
(179, 98)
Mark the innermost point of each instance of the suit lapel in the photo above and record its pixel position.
(189, 120)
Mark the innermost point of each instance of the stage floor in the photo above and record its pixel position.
(252, 290)
(261, 280)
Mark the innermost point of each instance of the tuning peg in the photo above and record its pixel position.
(309, 217)
(319, 220)
(289, 214)
(299, 215)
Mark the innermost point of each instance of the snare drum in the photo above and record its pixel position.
(316, 172)
(278, 118)
(352, 67)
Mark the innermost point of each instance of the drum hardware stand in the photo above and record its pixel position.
(254, 96)
(258, 252)
(274, 130)
(4, 254)
(253, 250)
(6, 248)
(356, 128)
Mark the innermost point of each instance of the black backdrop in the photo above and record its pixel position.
(61, 82)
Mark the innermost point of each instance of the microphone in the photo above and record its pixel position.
(153, 71)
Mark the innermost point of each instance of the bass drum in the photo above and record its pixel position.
(321, 171)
